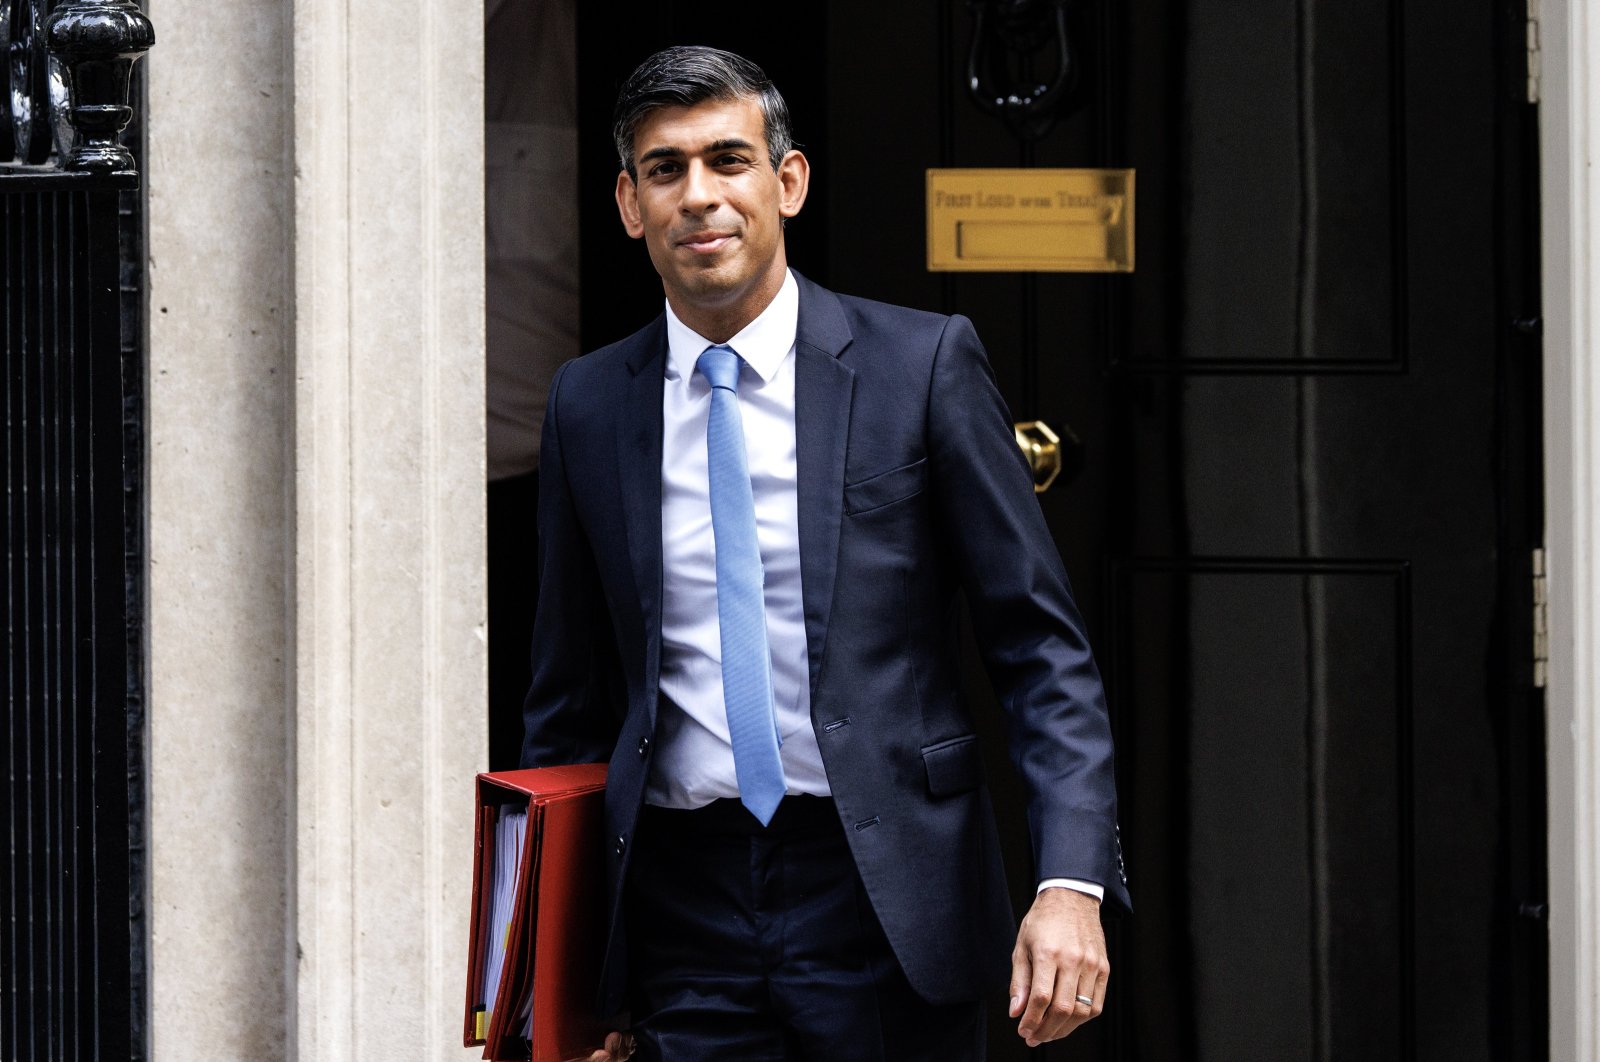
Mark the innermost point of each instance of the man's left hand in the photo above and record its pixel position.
(618, 1048)
(1060, 956)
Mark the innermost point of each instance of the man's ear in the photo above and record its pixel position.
(628, 205)
(794, 179)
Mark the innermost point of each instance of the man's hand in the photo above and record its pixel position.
(1060, 955)
(619, 1046)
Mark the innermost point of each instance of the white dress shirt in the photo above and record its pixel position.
(693, 764)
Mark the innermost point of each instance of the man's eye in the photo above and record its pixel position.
(663, 169)
(730, 160)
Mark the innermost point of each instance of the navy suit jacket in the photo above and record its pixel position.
(911, 488)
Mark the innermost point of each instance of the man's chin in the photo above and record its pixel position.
(711, 286)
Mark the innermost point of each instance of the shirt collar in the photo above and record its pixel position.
(763, 343)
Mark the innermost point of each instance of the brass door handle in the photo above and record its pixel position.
(1042, 447)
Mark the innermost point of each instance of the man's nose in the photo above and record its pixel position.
(700, 188)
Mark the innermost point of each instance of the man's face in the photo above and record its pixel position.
(709, 205)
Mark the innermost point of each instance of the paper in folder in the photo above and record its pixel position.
(538, 914)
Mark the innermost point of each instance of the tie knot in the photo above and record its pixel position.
(720, 366)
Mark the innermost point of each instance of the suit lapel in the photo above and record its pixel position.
(823, 386)
(639, 472)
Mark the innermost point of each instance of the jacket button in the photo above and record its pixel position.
(644, 747)
(622, 843)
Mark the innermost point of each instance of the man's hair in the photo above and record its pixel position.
(685, 76)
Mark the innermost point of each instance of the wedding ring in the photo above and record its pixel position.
(1087, 1001)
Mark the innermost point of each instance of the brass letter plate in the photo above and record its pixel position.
(1028, 220)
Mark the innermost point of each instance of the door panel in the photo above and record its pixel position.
(1289, 121)
(1284, 796)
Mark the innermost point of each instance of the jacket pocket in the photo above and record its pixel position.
(886, 488)
(954, 766)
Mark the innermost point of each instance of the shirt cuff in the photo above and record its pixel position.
(1088, 887)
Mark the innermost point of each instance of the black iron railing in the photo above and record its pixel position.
(72, 734)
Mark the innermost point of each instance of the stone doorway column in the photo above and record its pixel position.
(389, 496)
(1569, 133)
(317, 697)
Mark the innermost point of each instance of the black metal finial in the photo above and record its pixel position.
(1006, 34)
(24, 134)
(97, 43)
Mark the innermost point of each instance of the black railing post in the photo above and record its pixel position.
(72, 932)
(97, 42)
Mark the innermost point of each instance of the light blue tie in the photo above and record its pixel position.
(741, 609)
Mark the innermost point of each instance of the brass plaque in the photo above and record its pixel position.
(1030, 220)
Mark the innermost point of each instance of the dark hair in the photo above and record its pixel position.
(685, 76)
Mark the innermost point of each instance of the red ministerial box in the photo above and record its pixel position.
(556, 933)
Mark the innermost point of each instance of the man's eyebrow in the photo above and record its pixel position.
(660, 153)
(732, 143)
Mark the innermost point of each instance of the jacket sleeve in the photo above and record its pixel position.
(1028, 628)
(567, 714)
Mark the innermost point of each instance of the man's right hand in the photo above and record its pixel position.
(1059, 963)
(619, 1046)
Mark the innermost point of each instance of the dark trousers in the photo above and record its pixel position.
(760, 945)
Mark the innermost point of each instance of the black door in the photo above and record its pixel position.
(1306, 492)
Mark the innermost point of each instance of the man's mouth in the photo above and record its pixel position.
(706, 242)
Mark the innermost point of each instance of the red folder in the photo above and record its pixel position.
(557, 930)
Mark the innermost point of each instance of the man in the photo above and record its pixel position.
(755, 516)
